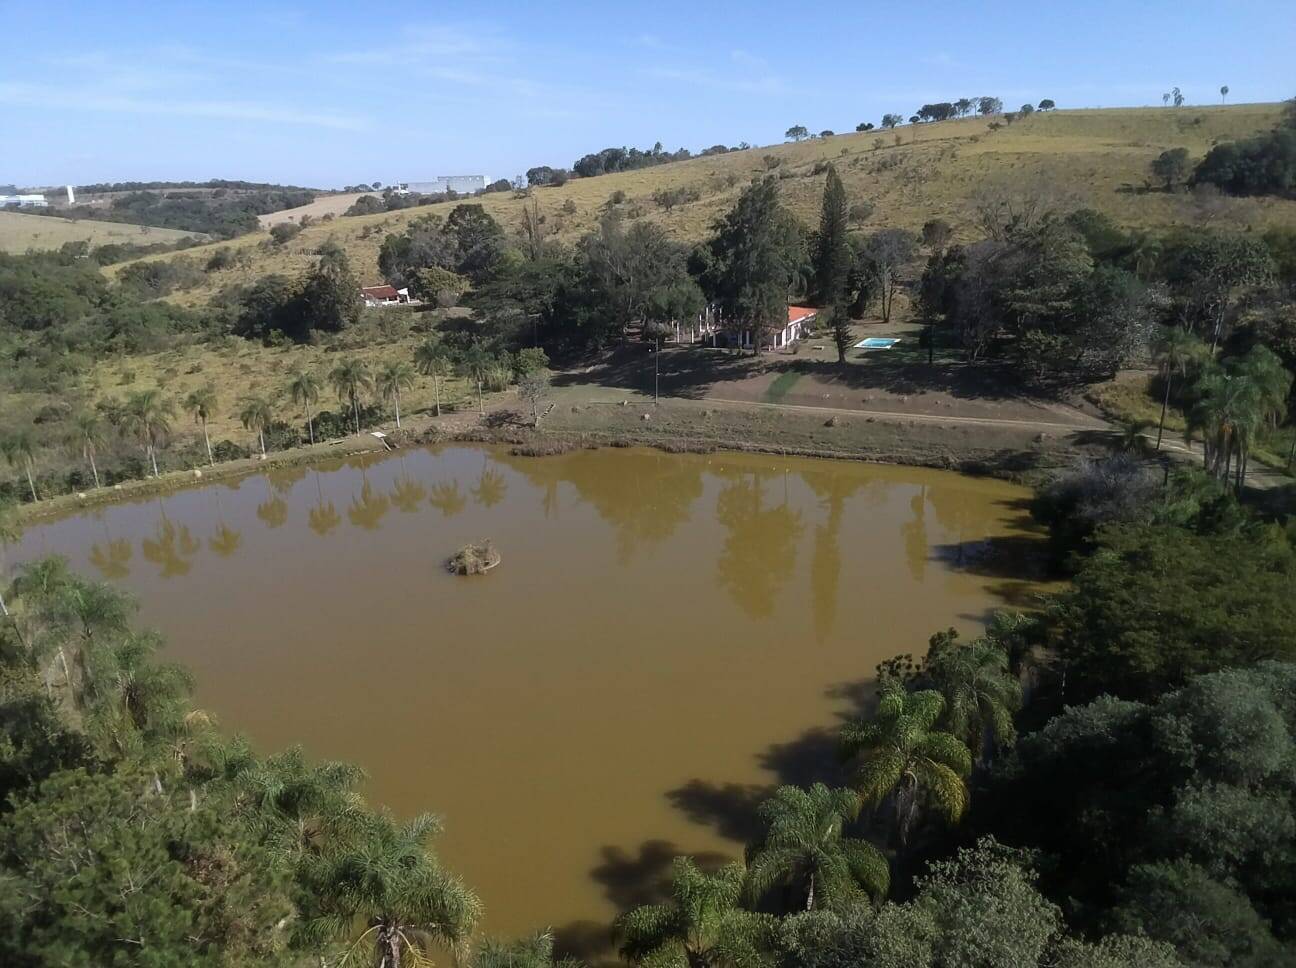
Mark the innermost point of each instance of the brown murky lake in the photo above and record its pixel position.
(667, 636)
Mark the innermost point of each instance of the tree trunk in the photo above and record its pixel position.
(211, 461)
(355, 410)
(389, 947)
(1165, 402)
(398, 426)
(261, 437)
(436, 389)
(152, 452)
(31, 483)
(656, 370)
(810, 896)
(481, 407)
(310, 426)
(93, 468)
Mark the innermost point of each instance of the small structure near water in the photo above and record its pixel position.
(474, 559)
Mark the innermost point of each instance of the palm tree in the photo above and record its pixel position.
(980, 692)
(392, 379)
(1228, 412)
(477, 364)
(147, 414)
(533, 952)
(433, 359)
(902, 755)
(702, 925)
(305, 391)
(384, 887)
(1174, 350)
(349, 379)
(18, 448)
(257, 414)
(87, 436)
(201, 404)
(805, 849)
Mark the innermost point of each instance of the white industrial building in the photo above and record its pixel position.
(23, 201)
(459, 184)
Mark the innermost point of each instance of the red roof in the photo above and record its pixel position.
(381, 292)
(797, 314)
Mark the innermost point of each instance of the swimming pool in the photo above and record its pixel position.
(877, 343)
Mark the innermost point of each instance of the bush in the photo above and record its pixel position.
(284, 232)
(1263, 165)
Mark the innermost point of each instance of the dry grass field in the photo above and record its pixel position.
(20, 232)
(1095, 158)
(324, 205)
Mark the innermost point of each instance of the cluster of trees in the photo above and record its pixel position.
(615, 159)
(145, 419)
(1073, 296)
(960, 108)
(1261, 165)
(221, 209)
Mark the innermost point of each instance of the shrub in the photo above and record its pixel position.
(285, 232)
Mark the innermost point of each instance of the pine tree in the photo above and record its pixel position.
(832, 251)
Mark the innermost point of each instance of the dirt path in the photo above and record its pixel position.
(1081, 421)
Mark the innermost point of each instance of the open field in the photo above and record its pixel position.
(20, 232)
(324, 205)
(1095, 158)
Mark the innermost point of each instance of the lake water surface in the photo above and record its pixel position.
(667, 636)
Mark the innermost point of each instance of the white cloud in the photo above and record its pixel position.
(91, 99)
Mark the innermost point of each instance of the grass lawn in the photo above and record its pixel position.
(780, 387)
(20, 232)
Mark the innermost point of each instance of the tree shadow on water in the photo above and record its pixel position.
(588, 941)
(729, 807)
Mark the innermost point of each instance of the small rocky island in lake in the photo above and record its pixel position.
(474, 559)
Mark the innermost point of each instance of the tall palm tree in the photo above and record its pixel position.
(147, 415)
(477, 364)
(433, 359)
(201, 404)
(980, 692)
(257, 414)
(88, 435)
(385, 888)
(902, 755)
(350, 378)
(392, 379)
(1174, 350)
(19, 449)
(305, 391)
(702, 925)
(1228, 413)
(805, 849)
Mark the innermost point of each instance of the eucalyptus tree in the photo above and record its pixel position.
(703, 925)
(255, 413)
(1174, 350)
(349, 379)
(433, 359)
(304, 388)
(201, 404)
(19, 449)
(394, 377)
(901, 755)
(477, 365)
(146, 415)
(10, 532)
(804, 849)
(88, 435)
(981, 694)
(382, 887)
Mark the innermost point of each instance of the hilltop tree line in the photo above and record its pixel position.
(224, 211)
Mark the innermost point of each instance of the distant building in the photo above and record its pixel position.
(459, 184)
(385, 296)
(23, 201)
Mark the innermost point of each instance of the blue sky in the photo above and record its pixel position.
(324, 94)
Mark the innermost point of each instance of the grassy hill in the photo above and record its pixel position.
(1095, 158)
(20, 232)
